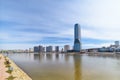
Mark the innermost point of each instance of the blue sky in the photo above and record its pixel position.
(26, 23)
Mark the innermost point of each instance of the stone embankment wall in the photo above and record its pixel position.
(18, 73)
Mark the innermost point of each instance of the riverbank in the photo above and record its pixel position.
(3, 69)
(10, 71)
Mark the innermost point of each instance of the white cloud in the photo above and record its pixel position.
(16, 46)
(101, 35)
(101, 17)
(85, 46)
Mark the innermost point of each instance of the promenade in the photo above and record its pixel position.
(3, 69)
(10, 71)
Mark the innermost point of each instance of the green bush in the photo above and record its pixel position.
(9, 71)
(6, 62)
(10, 78)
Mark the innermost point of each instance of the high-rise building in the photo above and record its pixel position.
(77, 38)
(49, 49)
(66, 48)
(36, 49)
(56, 48)
(117, 43)
(41, 48)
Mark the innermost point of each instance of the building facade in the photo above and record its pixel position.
(41, 49)
(49, 49)
(116, 43)
(66, 48)
(36, 49)
(77, 38)
(56, 48)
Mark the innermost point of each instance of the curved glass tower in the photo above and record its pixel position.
(77, 43)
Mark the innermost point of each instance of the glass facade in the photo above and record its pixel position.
(77, 45)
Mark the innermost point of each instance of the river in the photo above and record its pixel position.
(68, 67)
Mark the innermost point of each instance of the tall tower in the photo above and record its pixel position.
(77, 36)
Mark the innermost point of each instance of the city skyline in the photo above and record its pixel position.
(24, 24)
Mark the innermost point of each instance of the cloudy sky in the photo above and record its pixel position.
(26, 23)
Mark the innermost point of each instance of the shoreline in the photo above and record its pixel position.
(16, 73)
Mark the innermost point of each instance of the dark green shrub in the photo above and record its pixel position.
(10, 78)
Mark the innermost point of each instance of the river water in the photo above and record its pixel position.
(68, 67)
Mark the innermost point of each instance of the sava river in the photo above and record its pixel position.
(54, 66)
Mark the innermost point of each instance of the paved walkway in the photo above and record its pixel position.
(3, 69)
(17, 72)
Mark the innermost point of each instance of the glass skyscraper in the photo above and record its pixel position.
(77, 38)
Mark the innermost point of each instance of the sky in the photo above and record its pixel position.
(28, 23)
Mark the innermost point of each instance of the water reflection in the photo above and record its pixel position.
(102, 55)
(77, 67)
(56, 56)
(67, 57)
(37, 57)
(49, 56)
